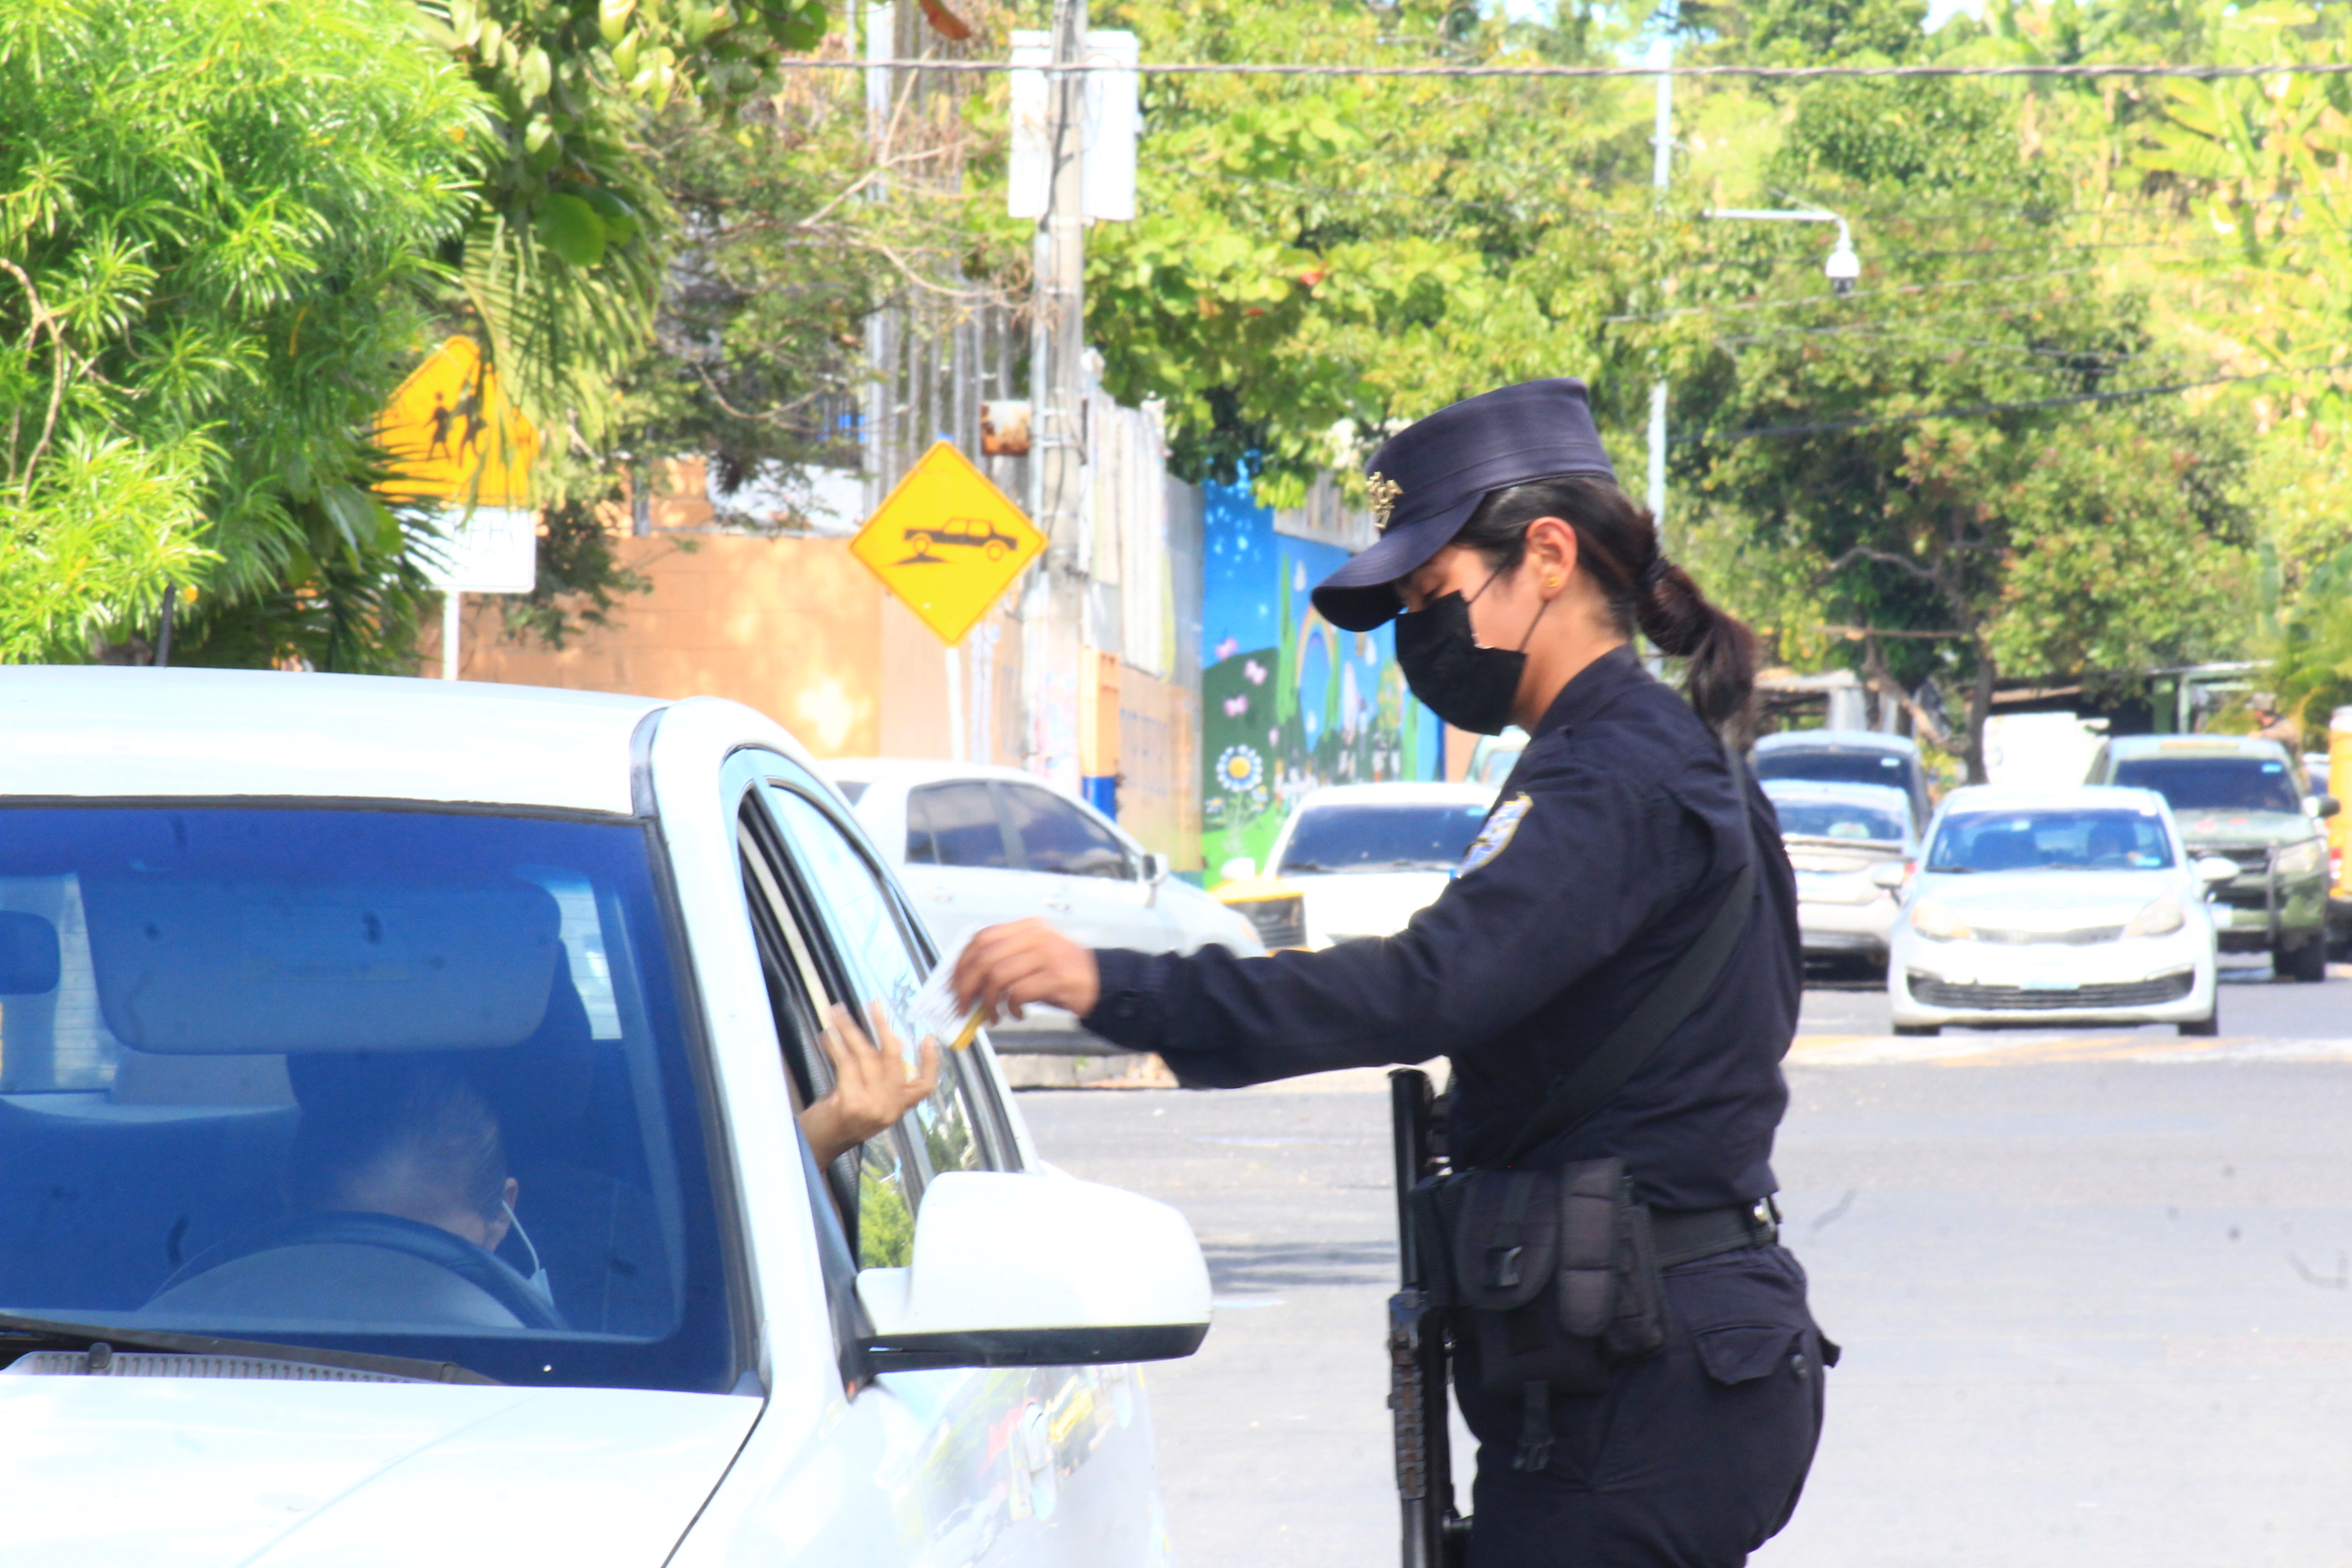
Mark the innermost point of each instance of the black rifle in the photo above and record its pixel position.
(1435, 1536)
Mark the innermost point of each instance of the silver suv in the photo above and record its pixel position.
(2242, 798)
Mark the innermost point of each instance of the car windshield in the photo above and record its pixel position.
(2052, 840)
(1495, 766)
(2213, 784)
(1415, 836)
(408, 1083)
(1836, 820)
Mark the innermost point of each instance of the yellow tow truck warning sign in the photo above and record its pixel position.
(947, 542)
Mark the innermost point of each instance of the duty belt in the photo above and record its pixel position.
(1685, 1236)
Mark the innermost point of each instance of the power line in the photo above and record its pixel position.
(1590, 73)
(1856, 294)
(1972, 411)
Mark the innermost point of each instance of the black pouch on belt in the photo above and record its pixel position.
(1552, 1273)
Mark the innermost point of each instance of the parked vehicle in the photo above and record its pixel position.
(398, 1160)
(1847, 756)
(977, 846)
(1362, 858)
(1839, 836)
(1494, 757)
(2241, 798)
(2074, 906)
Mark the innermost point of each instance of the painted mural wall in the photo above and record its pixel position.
(1288, 701)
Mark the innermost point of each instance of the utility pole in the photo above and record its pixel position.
(1053, 607)
(1662, 169)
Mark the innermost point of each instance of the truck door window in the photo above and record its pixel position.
(1057, 836)
(955, 824)
(884, 963)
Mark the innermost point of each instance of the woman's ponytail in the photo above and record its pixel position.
(1617, 542)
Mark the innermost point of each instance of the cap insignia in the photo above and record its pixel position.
(1384, 492)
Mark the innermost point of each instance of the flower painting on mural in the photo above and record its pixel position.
(1288, 701)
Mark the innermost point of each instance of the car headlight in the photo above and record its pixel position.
(1934, 919)
(2301, 860)
(2161, 918)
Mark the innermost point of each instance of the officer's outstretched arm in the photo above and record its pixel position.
(1571, 869)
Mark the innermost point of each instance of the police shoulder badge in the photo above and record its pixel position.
(1497, 835)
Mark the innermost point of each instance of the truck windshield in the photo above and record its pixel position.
(1418, 836)
(2213, 784)
(411, 1083)
(1835, 766)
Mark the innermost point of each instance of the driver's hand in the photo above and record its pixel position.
(872, 1085)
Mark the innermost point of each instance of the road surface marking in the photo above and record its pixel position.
(2012, 1050)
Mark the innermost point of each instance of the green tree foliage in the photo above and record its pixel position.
(216, 218)
(566, 260)
(1312, 260)
(1956, 448)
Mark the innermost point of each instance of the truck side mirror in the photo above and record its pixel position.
(1890, 875)
(1240, 868)
(1155, 867)
(2321, 806)
(2215, 870)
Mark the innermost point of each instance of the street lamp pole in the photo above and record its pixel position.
(1842, 267)
(1662, 168)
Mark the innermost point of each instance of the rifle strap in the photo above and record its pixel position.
(1670, 1002)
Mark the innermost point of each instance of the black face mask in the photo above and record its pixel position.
(1469, 686)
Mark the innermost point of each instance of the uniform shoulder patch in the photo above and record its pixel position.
(1496, 835)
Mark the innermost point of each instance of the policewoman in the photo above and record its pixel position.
(1518, 572)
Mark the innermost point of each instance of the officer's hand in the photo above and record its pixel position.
(1007, 967)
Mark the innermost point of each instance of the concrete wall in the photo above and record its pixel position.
(794, 628)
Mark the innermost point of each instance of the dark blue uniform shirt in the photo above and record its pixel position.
(1628, 839)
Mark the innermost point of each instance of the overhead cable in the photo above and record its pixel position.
(1972, 411)
(1755, 73)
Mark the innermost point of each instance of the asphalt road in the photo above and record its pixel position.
(2095, 1291)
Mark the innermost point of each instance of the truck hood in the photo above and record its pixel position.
(210, 1472)
(2217, 830)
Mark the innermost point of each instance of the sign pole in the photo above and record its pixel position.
(955, 703)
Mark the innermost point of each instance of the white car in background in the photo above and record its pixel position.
(2066, 905)
(978, 845)
(1363, 858)
(284, 956)
(1852, 848)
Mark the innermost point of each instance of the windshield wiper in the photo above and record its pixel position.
(83, 1335)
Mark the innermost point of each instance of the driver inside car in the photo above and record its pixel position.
(424, 1147)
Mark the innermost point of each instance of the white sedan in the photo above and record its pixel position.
(2069, 906)
(1366, 857)
(978, 845)
(399, 1159)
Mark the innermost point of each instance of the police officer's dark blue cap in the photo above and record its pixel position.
(1427, 478)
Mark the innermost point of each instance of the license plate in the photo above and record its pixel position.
(2047, 983)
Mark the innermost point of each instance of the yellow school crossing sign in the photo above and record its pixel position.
(451, 434)
(947, 542)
